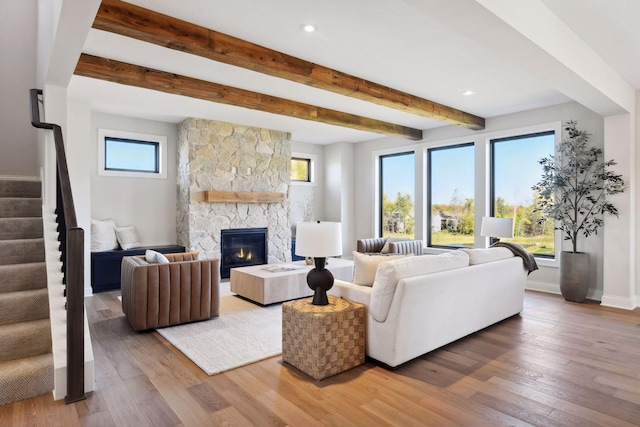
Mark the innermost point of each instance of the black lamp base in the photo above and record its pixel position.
(320, 280)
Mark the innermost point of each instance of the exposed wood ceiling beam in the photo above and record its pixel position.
(134, 75)
(133, 21)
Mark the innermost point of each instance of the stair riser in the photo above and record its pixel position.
(14, 188)
(23, 277)
(20, 208)
(21, 251)
(20, 228)
(23, 306)
(24, 340)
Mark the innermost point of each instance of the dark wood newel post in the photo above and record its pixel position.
(75, 316)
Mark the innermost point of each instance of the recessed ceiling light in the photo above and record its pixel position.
(308, 28)
(468, 92)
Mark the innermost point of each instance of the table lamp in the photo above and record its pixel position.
(495, 228)
(319, 240)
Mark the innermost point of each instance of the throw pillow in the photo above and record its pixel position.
(154, 257)
(127, 237)
(385, 248)
(365, 266)
(103, 235)
(388, 275)
(480, 255)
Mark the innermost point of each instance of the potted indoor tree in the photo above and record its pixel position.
(573, 192)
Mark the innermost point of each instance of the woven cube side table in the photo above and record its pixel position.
(323, 340)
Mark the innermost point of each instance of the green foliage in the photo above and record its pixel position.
(574, 186)
(397, 216)
(502, 209)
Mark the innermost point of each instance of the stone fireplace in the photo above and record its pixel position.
(218, 156)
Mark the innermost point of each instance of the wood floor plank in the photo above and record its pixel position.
(230, 417)
(210, 400)
(182, 403)
(556, 363)
(285, 410)
(583, 412)
(345, 402)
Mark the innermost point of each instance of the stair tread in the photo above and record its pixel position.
(25, 339)
(22, 277)
(26, 377)
(20, 187)
(22, 306)
(21, 251)
(43, 358)
(24, 325)
(20, 207)
(21, 228)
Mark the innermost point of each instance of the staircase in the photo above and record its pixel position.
(26, 360)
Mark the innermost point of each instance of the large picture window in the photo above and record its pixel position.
(451, 189)
(514, 171)
(397, 195)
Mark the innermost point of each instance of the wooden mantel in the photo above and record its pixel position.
(243, 197)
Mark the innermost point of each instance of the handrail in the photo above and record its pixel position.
(72, 247)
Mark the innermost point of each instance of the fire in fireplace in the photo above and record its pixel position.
(241, 247)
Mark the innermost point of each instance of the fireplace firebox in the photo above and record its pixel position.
(240, 247)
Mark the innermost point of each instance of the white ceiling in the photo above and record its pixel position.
(428, 48)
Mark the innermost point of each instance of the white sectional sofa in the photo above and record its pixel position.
(419, 303)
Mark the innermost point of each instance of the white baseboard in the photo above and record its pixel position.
(619, 302)
(551, 288)
(554, 288)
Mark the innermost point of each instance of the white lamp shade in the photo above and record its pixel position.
(496, 227)
(319, 239)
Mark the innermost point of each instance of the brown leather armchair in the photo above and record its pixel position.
(156, 295)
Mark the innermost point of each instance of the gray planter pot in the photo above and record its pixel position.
(574, 275)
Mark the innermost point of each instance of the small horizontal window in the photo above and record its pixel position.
(131, 155)
(128, 154)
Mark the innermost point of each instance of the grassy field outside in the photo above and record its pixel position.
(538, 245)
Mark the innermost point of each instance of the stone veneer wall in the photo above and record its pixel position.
(207, 151)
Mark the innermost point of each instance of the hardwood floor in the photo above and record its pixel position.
(557, 363)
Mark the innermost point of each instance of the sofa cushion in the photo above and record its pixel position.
(385, 249)
(389, 273)
(365, 266)
(103, 235)
(153, 257)
(480, 256)
(127, 237)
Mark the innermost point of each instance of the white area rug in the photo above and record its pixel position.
(244, 333)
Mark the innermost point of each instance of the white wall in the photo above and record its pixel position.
(78, 151)
(18, 139)
(339, 188)
(619, 265)
(149, 204)
(364, 167)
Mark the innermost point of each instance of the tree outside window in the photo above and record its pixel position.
(514, 171)
(397, 193)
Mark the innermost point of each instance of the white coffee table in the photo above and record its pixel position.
(266, 287)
